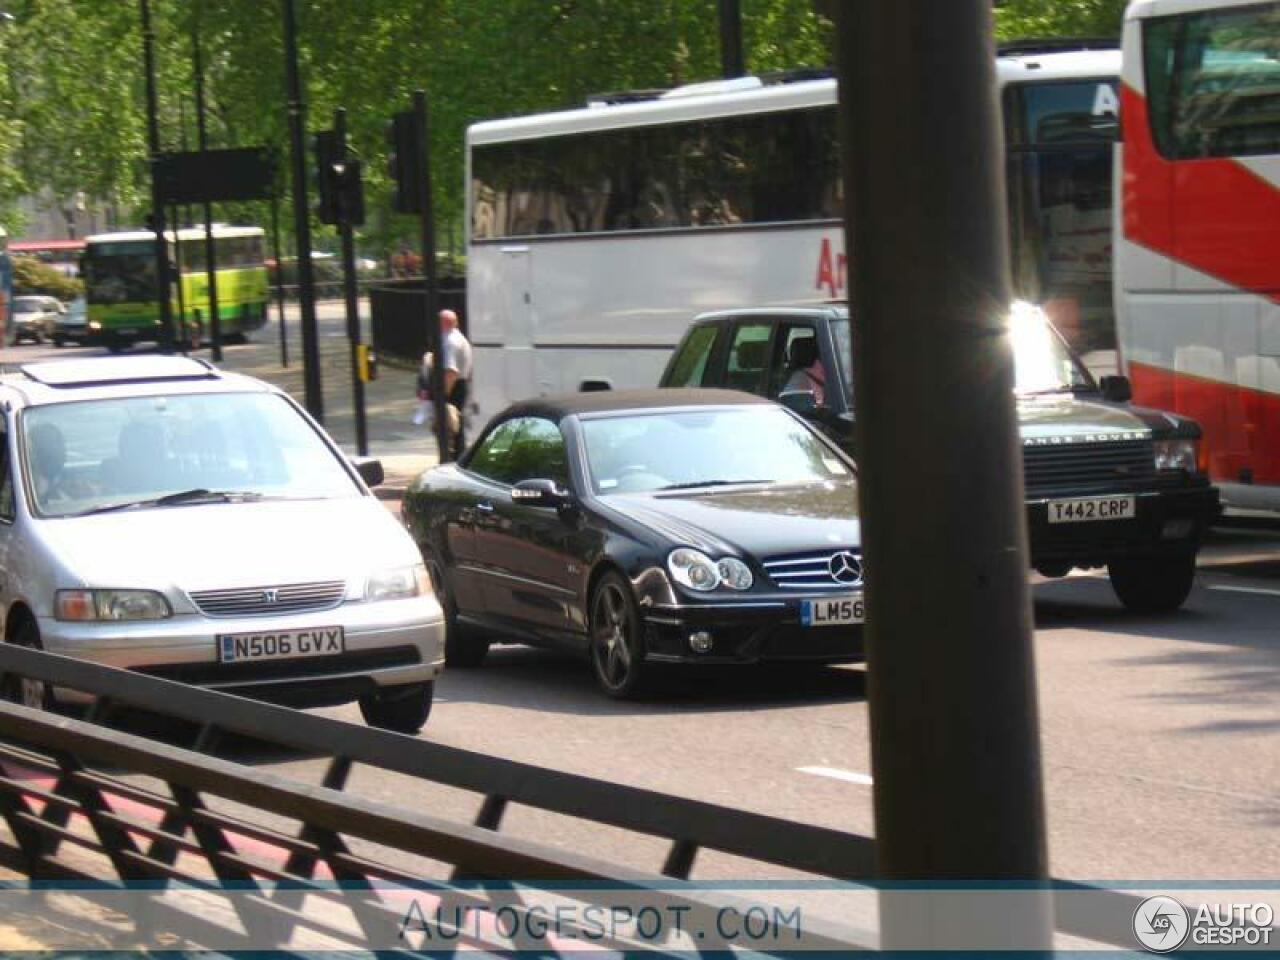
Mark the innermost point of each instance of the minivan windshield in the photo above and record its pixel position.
(146, 452)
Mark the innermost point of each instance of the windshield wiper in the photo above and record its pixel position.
(711, 483)
(195, 495)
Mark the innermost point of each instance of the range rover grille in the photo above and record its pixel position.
(1070, 468)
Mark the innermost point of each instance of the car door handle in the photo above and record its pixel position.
(484, 506)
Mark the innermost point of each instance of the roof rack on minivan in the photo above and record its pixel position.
(117, 371)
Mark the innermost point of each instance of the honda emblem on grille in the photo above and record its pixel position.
(271, 596)
(845, 567)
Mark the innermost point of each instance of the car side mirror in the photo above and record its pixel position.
(803, 402)
(370, 471)
(540, 492)
(1117, 389)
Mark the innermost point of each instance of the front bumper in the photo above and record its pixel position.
(1166, 522)
(387, 644)
(747, 632)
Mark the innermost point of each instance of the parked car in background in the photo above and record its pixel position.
(73, 325)
(1107, 484)
(159, 515)
(34, 318)
(646, 527)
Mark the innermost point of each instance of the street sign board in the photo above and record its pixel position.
(213, 176)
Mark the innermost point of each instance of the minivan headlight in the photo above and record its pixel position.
(111, 605)
(1178, 454)
(398, 583)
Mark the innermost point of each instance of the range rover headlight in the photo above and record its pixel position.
(111, 605)
(1177, 454)
(398, 583)
(734, 574)
(693, 569)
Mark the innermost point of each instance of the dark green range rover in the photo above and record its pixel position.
(1107, 484)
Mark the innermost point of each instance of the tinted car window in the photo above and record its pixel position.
(797, 362)
(749, 357)
(688, 448)
(6, 480)
(524, 448)
(690, 363)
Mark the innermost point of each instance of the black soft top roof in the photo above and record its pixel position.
(558, 406)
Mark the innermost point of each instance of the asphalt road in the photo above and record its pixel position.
(1161, 735)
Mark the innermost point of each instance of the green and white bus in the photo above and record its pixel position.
(119, 272)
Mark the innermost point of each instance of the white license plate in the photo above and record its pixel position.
(280, 644)
(833, 611)
(1087, 509)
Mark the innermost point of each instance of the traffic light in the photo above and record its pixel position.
(329, 157)
(351, 192)
(405, 162)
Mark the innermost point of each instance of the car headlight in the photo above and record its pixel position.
(398, 583)
(693, 569)
(111, 605)
(734, 574)
(1179, 454)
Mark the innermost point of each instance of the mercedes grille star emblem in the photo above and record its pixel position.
(845, 567)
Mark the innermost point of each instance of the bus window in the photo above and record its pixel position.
(1214, 82)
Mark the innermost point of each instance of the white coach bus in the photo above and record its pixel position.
(597, 234)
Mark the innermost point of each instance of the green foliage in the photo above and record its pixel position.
(31, 277)
(72, 103)
(1019, 19)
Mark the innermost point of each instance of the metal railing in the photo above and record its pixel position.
(95, 796)
(94, 766)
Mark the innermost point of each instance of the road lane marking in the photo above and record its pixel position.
(835, 773)
(1263, 591)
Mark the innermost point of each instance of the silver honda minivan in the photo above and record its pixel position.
(160, 515)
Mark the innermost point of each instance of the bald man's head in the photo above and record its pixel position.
(448, 320)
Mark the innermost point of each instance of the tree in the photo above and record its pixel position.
(1018, 19)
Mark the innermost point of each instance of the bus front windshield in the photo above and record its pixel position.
(1060, 140)
(121, 273)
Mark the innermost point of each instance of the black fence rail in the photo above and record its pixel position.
(399, 315)
(91, 797)
(74, 782)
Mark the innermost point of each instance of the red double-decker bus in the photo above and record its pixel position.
(1198, 253)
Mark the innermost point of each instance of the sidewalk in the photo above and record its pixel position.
(404, 449)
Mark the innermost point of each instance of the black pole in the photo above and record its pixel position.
(157, 200)
(210, 256)
(347, 233)
(302, 221)
(732, 62)
(279, 252)
(434, 335)
(954, 725)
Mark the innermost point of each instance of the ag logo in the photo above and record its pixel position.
(1161, 924)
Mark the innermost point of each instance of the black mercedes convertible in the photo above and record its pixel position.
(646, 527)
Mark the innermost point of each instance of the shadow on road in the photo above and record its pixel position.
(523, 677)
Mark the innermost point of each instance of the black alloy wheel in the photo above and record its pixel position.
(402, 709)
(1153, 584)
(463, 648)
(617, 654)
(35, 694)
